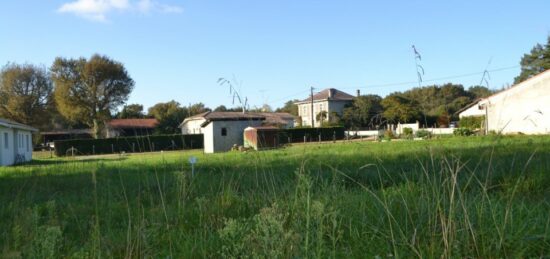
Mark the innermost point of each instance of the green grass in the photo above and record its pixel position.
(453, 197)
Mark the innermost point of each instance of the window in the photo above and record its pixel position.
(6, 144)
(28, 144)
(224, 131)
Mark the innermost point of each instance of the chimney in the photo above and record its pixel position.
(358, 92)
(330, 93)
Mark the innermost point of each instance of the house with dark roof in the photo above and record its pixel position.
(130, 127)
(15, 142)
(223, 130)
(330, 101)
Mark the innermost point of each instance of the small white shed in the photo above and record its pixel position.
(15, 142)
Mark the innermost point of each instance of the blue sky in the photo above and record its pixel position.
(277, 49)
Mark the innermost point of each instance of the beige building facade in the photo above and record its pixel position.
(330, 101)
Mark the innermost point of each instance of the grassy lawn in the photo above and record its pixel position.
(454, 197)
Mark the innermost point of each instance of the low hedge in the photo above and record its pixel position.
(128, 144)
(295, 135)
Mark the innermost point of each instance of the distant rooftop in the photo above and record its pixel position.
(269, 117)
(16, 125)
(329, 94)
(133, 123)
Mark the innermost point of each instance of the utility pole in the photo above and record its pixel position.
(312, 118)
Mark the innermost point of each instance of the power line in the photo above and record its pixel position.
(434, 79)
(405, 83)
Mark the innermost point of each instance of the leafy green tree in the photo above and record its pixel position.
(477, 92)
(170, 115)
(362, 112)
(25, 94)
(289, 107)
(197, 108)
(321, 116)
(131, 111)
(90, 90)
(400, 109)
(220, 108)
(535, 62)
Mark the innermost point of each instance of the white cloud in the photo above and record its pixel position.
(147, 6)
(97, 10)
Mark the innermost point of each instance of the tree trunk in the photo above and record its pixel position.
(97, 129)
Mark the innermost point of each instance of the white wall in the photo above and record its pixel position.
(215, 142)
(472, 111)
(413, 126)
(18, 142)
(523, 108)
(192, 127)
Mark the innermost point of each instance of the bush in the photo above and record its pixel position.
(407, 132)
(423, 134)
(295, 135)
(388, 135)
(128, 144)
(471, 122)
(463, 132)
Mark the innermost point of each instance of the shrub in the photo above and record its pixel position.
(472, 122)
(463, 132)
(388, 135)
(128, 144)
(312, 134)
(407, 132)
(423, 134)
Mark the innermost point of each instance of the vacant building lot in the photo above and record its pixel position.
(455, 197)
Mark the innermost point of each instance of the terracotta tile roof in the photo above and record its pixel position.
(330, 94)
(133, 123)
(16, 125)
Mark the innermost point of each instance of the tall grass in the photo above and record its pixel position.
(458, 197)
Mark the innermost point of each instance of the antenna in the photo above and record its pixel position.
(234, 92)
(486, 76)
(419, 74)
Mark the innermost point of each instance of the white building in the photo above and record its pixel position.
(223, 130)
(329, 100)
(15, 142)
(523, 108)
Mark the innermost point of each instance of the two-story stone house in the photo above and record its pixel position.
(329, 100)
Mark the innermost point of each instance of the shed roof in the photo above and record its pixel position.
(329, 94)
(16, 125)
(133, 123)
(269, 117)
(262, 128)
(68, 132)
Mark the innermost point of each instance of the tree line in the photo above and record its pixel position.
(78, 93)
(431, 106)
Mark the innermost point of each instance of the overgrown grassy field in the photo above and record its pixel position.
(455, 197)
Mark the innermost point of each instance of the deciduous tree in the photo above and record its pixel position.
(90, 90)
(131, 111)
(170, 115)
(25, 94)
